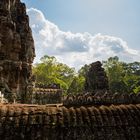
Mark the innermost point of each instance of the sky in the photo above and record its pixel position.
(77, 32)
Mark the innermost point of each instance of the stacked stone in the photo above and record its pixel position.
(96, 78)
(24, 122)
(98, 99)
(50, 86)
(46, 96)
(16, 49)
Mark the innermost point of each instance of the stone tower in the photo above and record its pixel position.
(16, 49)
(96, 78)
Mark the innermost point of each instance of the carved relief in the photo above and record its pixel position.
(96, 78)
(16, 46)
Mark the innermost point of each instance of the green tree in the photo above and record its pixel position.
(83, 70)
(77, 85)
(115, 72)
(49, 71)
(123, 77)
(132, 76)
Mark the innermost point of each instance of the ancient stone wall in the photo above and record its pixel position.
(46, 96)
(101, 98)
(114, 122)
(16, 49)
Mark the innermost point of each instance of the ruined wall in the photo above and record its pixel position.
(24, 122)
(16, 49)
(46, 96)
(97, 99)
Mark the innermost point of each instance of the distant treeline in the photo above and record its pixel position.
(123, 77)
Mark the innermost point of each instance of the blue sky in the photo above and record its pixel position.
(113, 19)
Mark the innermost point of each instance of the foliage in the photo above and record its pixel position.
(77, 85)
(123, 77)
(50, 71)
(83, 71)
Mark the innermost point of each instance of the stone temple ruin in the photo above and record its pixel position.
(97, 91)
(46, 94)
(96, 78)
(16, 49)
(95, 115)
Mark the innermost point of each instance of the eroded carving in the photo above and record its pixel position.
(96, 78)
(16, 48)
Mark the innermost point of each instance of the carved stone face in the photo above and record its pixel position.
(16, 45)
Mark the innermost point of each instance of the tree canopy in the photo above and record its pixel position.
(49, 71)
(123, 77)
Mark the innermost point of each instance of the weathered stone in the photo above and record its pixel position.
(105, 98)
(30, 122)
(16, 49)
(82, 117)
(44, 94)
(96, 78)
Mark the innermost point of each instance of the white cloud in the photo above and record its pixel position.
(75, 49)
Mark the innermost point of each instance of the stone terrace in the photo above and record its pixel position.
(57, 122)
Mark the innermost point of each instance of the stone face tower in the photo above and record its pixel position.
(16, 49)
(96, 78)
